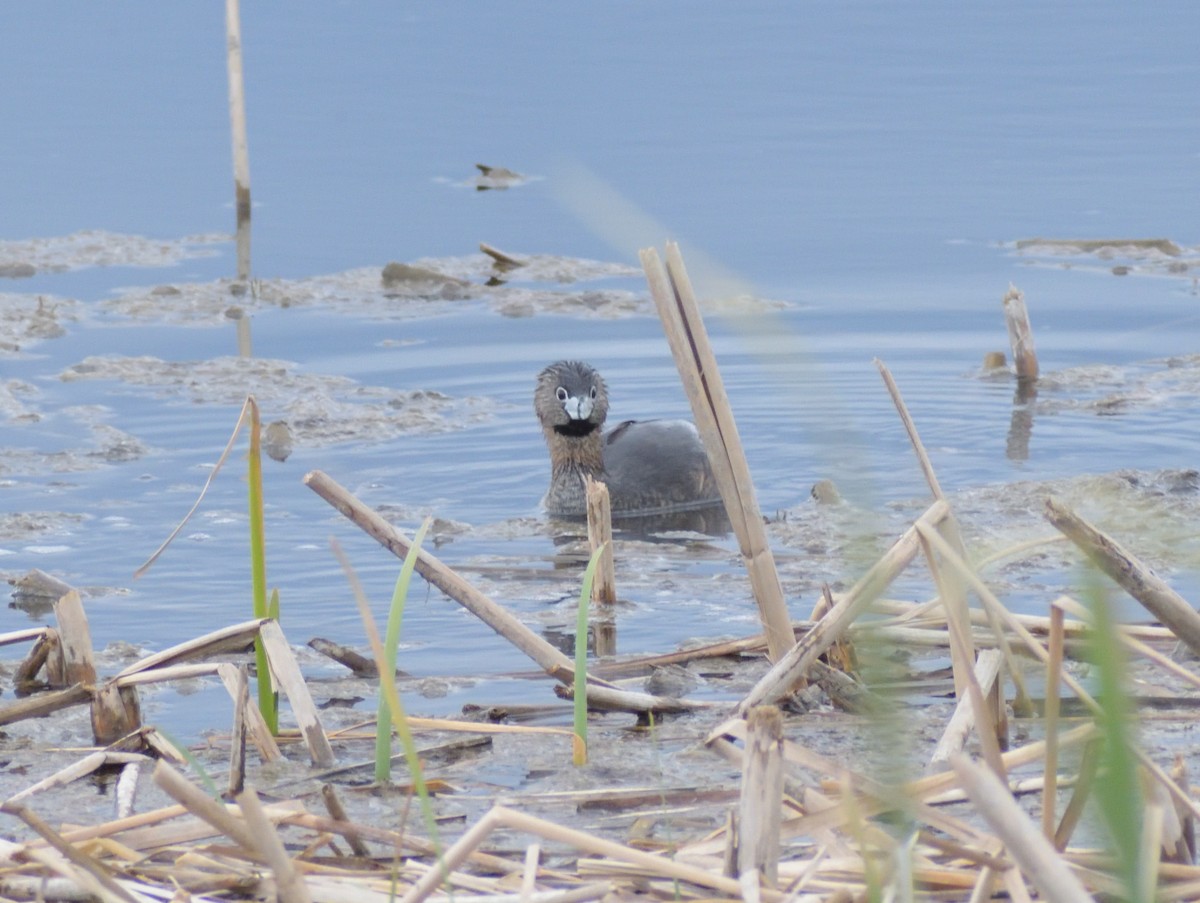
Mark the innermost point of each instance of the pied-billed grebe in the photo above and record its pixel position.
(650, 466)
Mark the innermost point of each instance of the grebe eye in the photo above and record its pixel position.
(593, 391)
(561, 393)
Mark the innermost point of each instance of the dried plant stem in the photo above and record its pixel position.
(1050, 713)
(546, 656)
(1020, 334)
(697, 365)
(237, 120)
(599, 524)
(779, 681)
(1134, 577)
(1038, 859)
(760, 804)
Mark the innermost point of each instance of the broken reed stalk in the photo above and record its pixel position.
(1130, 574)
(289, 885)
(546, 656)
(1039, 652)
(647, 863)
(237, 123)
(760, 805)
(685, 332)
(1020, 335)
(1050, 716)
(1038, 859)
(599, 524)
(778, 682)
(950, 587)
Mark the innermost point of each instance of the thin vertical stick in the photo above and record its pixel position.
(237, 740)
(1053, 677)
(1020, 334)
(954, 597)
(237, 121)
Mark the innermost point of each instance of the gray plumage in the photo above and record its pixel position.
(649, 466)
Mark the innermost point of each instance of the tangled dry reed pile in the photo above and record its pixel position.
(799, 825)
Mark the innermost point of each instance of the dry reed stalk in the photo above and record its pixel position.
(286, 673)
(44, 704)
(684, 327)
(987, 719)
(235, 637)
(87, 871)
(950, 588)
(250, 716)
(505, 261)
(240, 691)
(954, 737)
(783, 675)
(435, 572)
(646, 863)
(1130, 574)
(237, 122)
(45, 649)
(289, 885)
(1050, 713)
(599, 526)
(1038, 859)
(346, 656)
(392, 839)
(614, 700)
(204, 806)
(1032, 623)
(1088, 766)
(337, 813)
(529, 873)
(760, 806)
(1020, 335)
(75, 639)
(85, 766)
(22, 636)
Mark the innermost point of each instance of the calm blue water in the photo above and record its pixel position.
(863, 163)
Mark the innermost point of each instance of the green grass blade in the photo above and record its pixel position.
(1119, 795)
(383, 722)
(387, 686)
(581, 635)
(205, 778)
(258, 565)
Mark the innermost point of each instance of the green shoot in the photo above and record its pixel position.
(205, 778)
(387, 687)
(1119, 795)
(581, 635)
(258, 566)
(383, 719)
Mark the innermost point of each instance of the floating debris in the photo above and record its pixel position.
(98, 248)
(26, 320)
(320, 409)
(496, 178)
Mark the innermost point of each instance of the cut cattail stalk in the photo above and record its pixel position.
(1020, 335)
(761, 804)
(599, 523)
